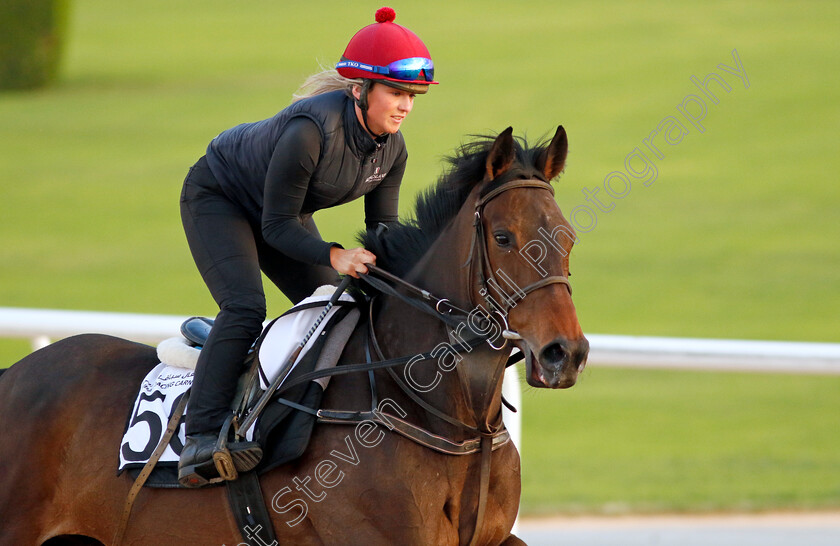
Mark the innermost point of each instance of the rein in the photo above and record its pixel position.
(442, 308)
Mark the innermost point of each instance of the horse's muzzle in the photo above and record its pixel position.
(558, 363)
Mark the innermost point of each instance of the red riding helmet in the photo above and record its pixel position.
(388, 53)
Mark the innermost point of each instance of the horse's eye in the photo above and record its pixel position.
(502, 239)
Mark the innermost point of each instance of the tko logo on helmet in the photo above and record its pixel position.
(354, 64)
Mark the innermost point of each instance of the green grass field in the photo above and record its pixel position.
(736, 238)
(625, 441)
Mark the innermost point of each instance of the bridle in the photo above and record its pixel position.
(455, 317)
(482, 270)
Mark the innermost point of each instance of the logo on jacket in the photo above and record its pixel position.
(376, 177)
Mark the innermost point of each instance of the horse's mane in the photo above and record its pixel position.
(404, 243)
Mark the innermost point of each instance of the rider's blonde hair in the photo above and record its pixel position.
(323, 82)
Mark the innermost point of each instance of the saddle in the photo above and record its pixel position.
(283, 428)
(282, 431)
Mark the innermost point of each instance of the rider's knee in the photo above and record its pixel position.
(247, 315)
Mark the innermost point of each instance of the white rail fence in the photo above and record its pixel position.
(43, 325)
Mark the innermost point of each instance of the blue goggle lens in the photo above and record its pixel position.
(415, 68)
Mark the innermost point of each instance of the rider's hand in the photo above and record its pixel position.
(351, 262)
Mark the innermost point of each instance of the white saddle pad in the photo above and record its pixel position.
(160, 393)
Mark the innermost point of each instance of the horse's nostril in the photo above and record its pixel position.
(554, 355)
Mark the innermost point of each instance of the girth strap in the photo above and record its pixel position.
(248, 507)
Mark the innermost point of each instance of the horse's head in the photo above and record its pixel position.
(520, 259)
(494, 211)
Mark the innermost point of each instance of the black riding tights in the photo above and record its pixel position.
(230, 253)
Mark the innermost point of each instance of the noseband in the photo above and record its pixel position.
(486, 278)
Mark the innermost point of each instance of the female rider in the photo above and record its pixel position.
(247, 206)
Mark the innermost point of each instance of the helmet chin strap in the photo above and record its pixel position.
(362, 103)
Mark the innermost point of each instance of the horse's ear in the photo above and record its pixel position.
(553, 158)
(501, 154)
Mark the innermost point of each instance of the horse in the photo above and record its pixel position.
(488, 239)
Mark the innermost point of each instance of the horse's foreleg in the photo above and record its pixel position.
(513, 540)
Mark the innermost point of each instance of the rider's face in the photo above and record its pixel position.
(387, 108)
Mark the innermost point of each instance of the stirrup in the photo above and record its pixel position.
(221, 455)
(229, 464)
(224, 464)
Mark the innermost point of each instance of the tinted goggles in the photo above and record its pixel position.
(411, 69)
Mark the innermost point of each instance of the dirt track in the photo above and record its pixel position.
(766, 529)
(771, 519)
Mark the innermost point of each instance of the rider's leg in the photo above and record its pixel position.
(223, 245)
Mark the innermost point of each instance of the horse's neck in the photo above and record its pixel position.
(469, 392)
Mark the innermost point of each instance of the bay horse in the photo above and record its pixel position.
(490, 237)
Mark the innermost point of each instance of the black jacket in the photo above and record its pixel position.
(312, 155)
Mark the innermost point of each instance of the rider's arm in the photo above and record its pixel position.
(287, 181)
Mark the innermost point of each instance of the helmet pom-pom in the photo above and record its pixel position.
(385, 15)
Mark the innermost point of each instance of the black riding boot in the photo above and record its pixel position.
(197, 468)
